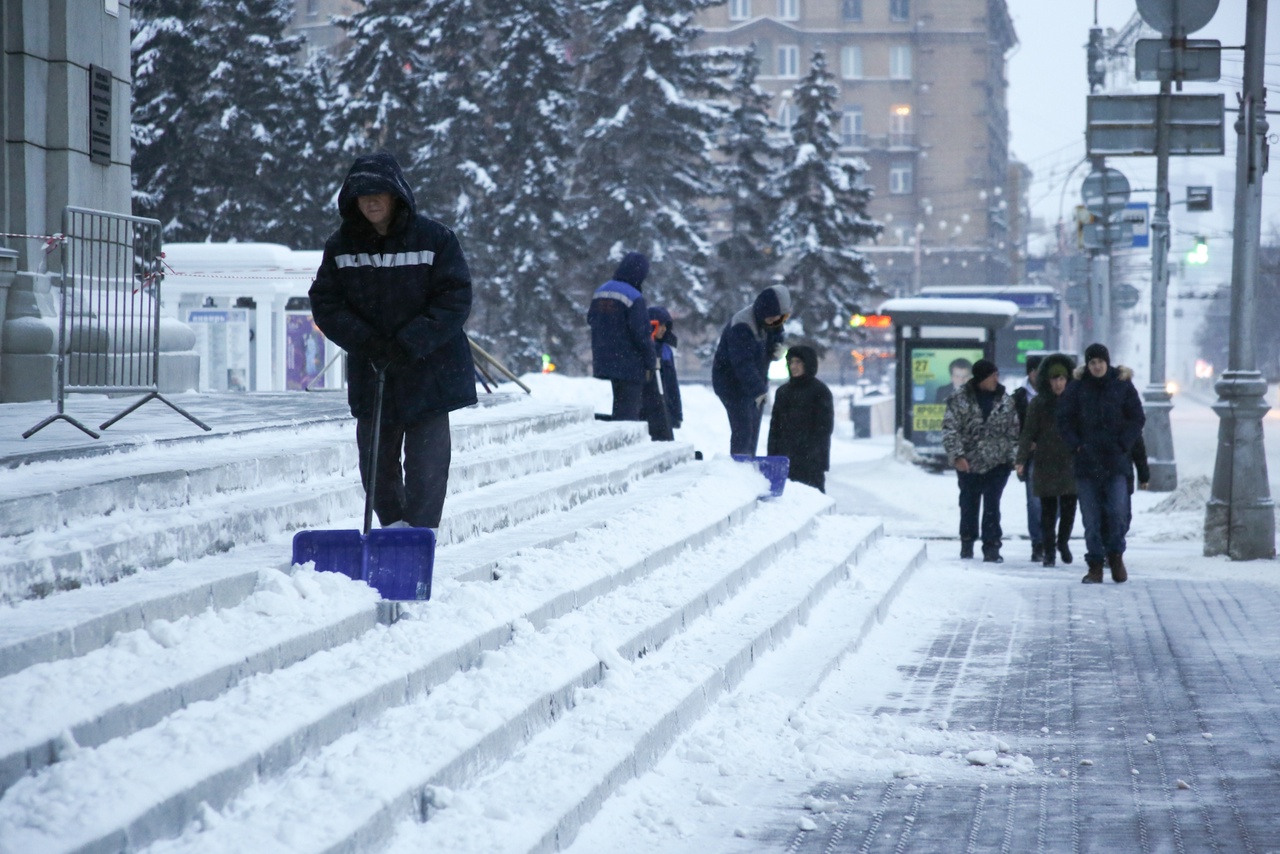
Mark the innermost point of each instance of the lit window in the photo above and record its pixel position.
(851, 63)
(899, 10)
(789, 60)
(851, 133)
(900, 130)
(900, 179)
(789, 10)
(851, 10)
(900, 62)
(739, 10)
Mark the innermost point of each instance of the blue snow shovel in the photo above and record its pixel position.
(396, 562)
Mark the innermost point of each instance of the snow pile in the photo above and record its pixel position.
(1192, 494)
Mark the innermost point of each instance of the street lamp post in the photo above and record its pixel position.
(1240, 517)
(1157, 433)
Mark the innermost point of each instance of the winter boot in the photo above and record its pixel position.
(1064, 550)
(1119, 574)
(991, 554)
(966, 549)
(1094, 575)
(1047, 554)
(1037, 551)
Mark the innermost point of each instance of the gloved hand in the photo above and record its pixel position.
(387, 353)
(762, 398)
(779, 350)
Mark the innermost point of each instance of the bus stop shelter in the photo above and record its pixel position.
(936, 343)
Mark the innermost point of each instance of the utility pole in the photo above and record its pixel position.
(1157, 433)
(1240, 517)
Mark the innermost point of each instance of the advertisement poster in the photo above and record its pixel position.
(936, 372)
(303, 352)
(222, 340)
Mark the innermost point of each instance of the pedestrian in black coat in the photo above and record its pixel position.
(740, 368)
(1022, 397)
(803, 420)
(393, 290)
(1100, 417)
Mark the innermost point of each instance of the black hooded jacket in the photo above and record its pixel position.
(410, 286)
(803, 420)
(740, 368)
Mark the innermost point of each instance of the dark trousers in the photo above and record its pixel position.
(982, 491)
(655, 412)
(744, 425)
(627, 397)
(1104, 509)
(413, 491)
(1059, 510)
(1034, 512)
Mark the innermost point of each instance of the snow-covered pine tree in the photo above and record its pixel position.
(824, 214)
(215, 158)
(520, 230)
(168, 74)
(746, 257)
(650, 108)
(378, 80)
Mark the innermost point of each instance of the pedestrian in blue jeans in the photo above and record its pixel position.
(1022, 397)
(1101, 418)
(980, 436)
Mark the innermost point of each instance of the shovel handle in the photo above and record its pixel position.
(372, 464)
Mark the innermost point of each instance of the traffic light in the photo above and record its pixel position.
(1097, 68)
(1200, 253)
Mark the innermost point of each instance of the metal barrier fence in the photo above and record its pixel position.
(109, 319)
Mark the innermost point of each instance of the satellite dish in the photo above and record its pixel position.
(1190, 15)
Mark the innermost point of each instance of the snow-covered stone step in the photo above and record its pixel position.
(151, 784)
(539, 800)
(79, 621)
(708, 764)
(104, 548)
(52, 495)
(479, 718)
(142, 676)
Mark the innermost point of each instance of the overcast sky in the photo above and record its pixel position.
(1047, 93)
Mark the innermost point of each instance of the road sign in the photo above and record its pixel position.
(1125, 125)
(1157, 59)
(1138, 215)
(1199, 198)
(1125, 296)
(1105, 191)
(1077, 297)
(1190, 15)
(1095, 236)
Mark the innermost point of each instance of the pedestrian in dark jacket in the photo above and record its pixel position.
(740, 369)
(393, 290)
(1100, 416)
(1022, 397)
(662, 396)
(803, 420)
(621, 339)
(1053, 477)
(980, 436)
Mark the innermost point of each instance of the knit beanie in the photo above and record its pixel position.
(982, 369)
(1097, 351)
(1058, 370)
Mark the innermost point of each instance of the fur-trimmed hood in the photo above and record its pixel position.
(1047, 364)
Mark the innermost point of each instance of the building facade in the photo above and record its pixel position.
(313, 19)
(923, 102)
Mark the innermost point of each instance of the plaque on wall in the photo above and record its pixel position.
(100, 115)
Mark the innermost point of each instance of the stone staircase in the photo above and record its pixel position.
(225, 701)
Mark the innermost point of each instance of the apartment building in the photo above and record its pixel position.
(922, 101)
(312, 19)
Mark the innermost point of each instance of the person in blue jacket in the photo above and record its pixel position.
(740, 369)
(394, 290)
(622, 348)
(662, 403)
(1100, 417)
